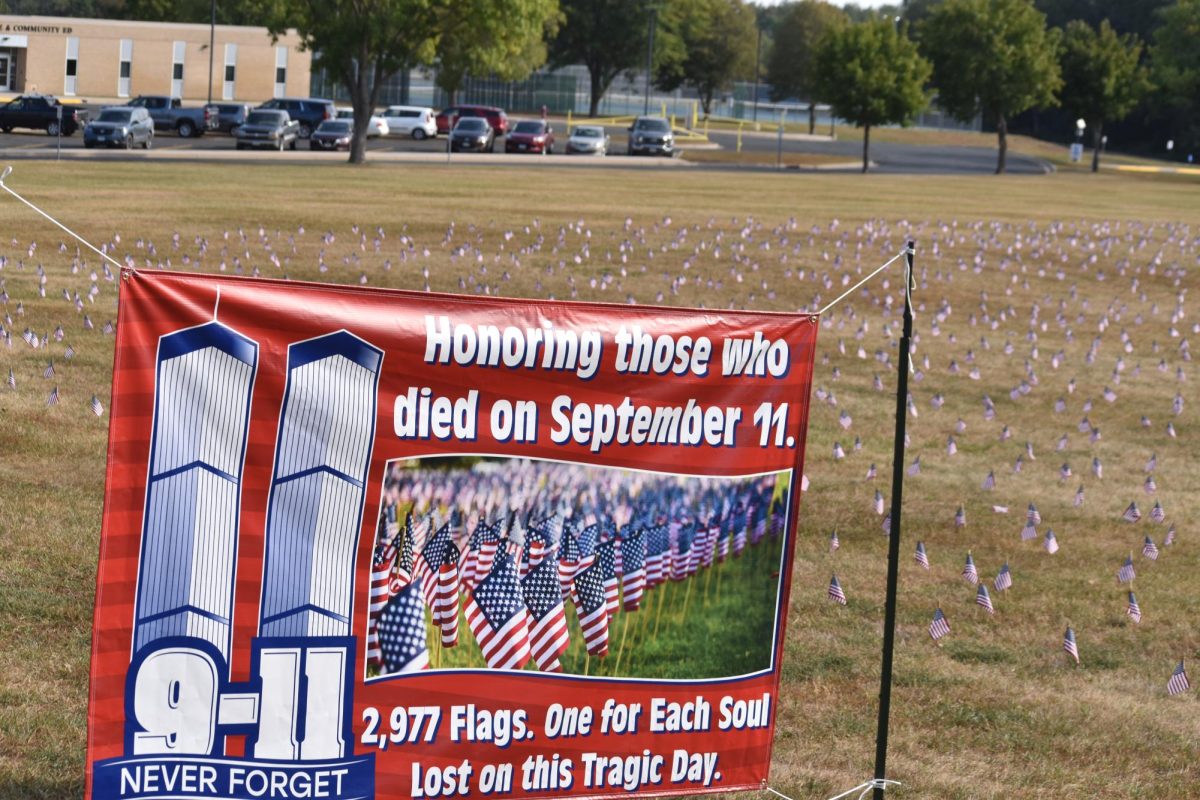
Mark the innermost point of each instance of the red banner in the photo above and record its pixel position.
(368, 543)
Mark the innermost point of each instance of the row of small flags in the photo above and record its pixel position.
(517, 576)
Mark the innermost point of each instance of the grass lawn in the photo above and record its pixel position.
(996, 711)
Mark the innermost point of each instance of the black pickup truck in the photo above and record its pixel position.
(40, 112)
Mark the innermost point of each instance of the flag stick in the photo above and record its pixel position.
(658, 614)
(889, 621)
(687, 596)
(621, 649)
(708, 579)
(587, 663)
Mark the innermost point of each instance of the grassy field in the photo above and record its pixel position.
(997, 711)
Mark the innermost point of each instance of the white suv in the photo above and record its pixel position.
(413, 121)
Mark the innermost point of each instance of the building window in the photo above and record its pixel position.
(281, 55)
(178, 51)
(228, 86)
(72, 67)
(125, 70)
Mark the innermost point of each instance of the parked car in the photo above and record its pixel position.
(495, 117)
(651, 136)
(39, 112)
(308, 112)
(230, 116)
(414, 121)
(120, 126)
(588, 139)
(375, 128)
(332, 134)
(169, 114)
(473, 133)
(268, 128)
(530, 136)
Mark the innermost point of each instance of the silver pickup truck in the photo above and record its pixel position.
(169, 114)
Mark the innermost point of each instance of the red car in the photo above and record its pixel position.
(495, 117)
(530, 136)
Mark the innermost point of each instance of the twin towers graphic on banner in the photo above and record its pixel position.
(303, 657)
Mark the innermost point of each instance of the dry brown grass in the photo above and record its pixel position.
(995, 712)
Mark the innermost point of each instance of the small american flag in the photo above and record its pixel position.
(1050, 542)
(49, 371)
(12, 379)
(835, 591)
(871, 473)
(834, 543)
(97, 408)
(921, 556)
(606, 559)
(1069, 644)
(1125, 574)
(960, 517)
(1004, 579)
(1157, 514)
(52, 400)
(633, 563)
(1078, 497)
(939, 627)
(593, 609)
(402, 632)
(990, 481)
(983, 599)
(1033, 515)
(878, 504)
(1132, 514)
(1029, 531)
(1133, 609)
(69, 353)
(1178, 682)
(497, 615)
(969, 572)
(548, 635)
(1170, 540)
(1150, 550)
(1150, 486)
(445, 604)
(429, 560)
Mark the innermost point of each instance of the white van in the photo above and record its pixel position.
(413, 121)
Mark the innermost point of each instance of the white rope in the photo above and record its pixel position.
(850, 291)
(101, 253)
(874, 783)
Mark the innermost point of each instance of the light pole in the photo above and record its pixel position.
(757, 65)
(653, 8)
(212, 38)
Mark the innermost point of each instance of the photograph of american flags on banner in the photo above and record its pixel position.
(482, 562)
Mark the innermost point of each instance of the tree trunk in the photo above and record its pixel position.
(1097, 141)
(812, 117)
(360, 99)
(597, 92)
(1002, 133)
(866, 147)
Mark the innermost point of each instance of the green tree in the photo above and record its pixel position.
(994, 57)
(790, 68)
(1175, 61)
(483, 37)
(361, 42)
(606, 36)
(1102, 77)
(717, 39)
(871, 74)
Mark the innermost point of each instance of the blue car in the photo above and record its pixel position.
(120, 126)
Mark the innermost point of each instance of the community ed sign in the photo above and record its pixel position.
(363, 543)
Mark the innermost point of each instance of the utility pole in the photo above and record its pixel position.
(650, 54)
(757, 65)
(212, 43)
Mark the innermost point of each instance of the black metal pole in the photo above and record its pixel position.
(650, 55)
(889, 613)
(212, 43)
(757, 69)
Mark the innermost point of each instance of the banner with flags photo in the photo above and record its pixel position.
(370, 543)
